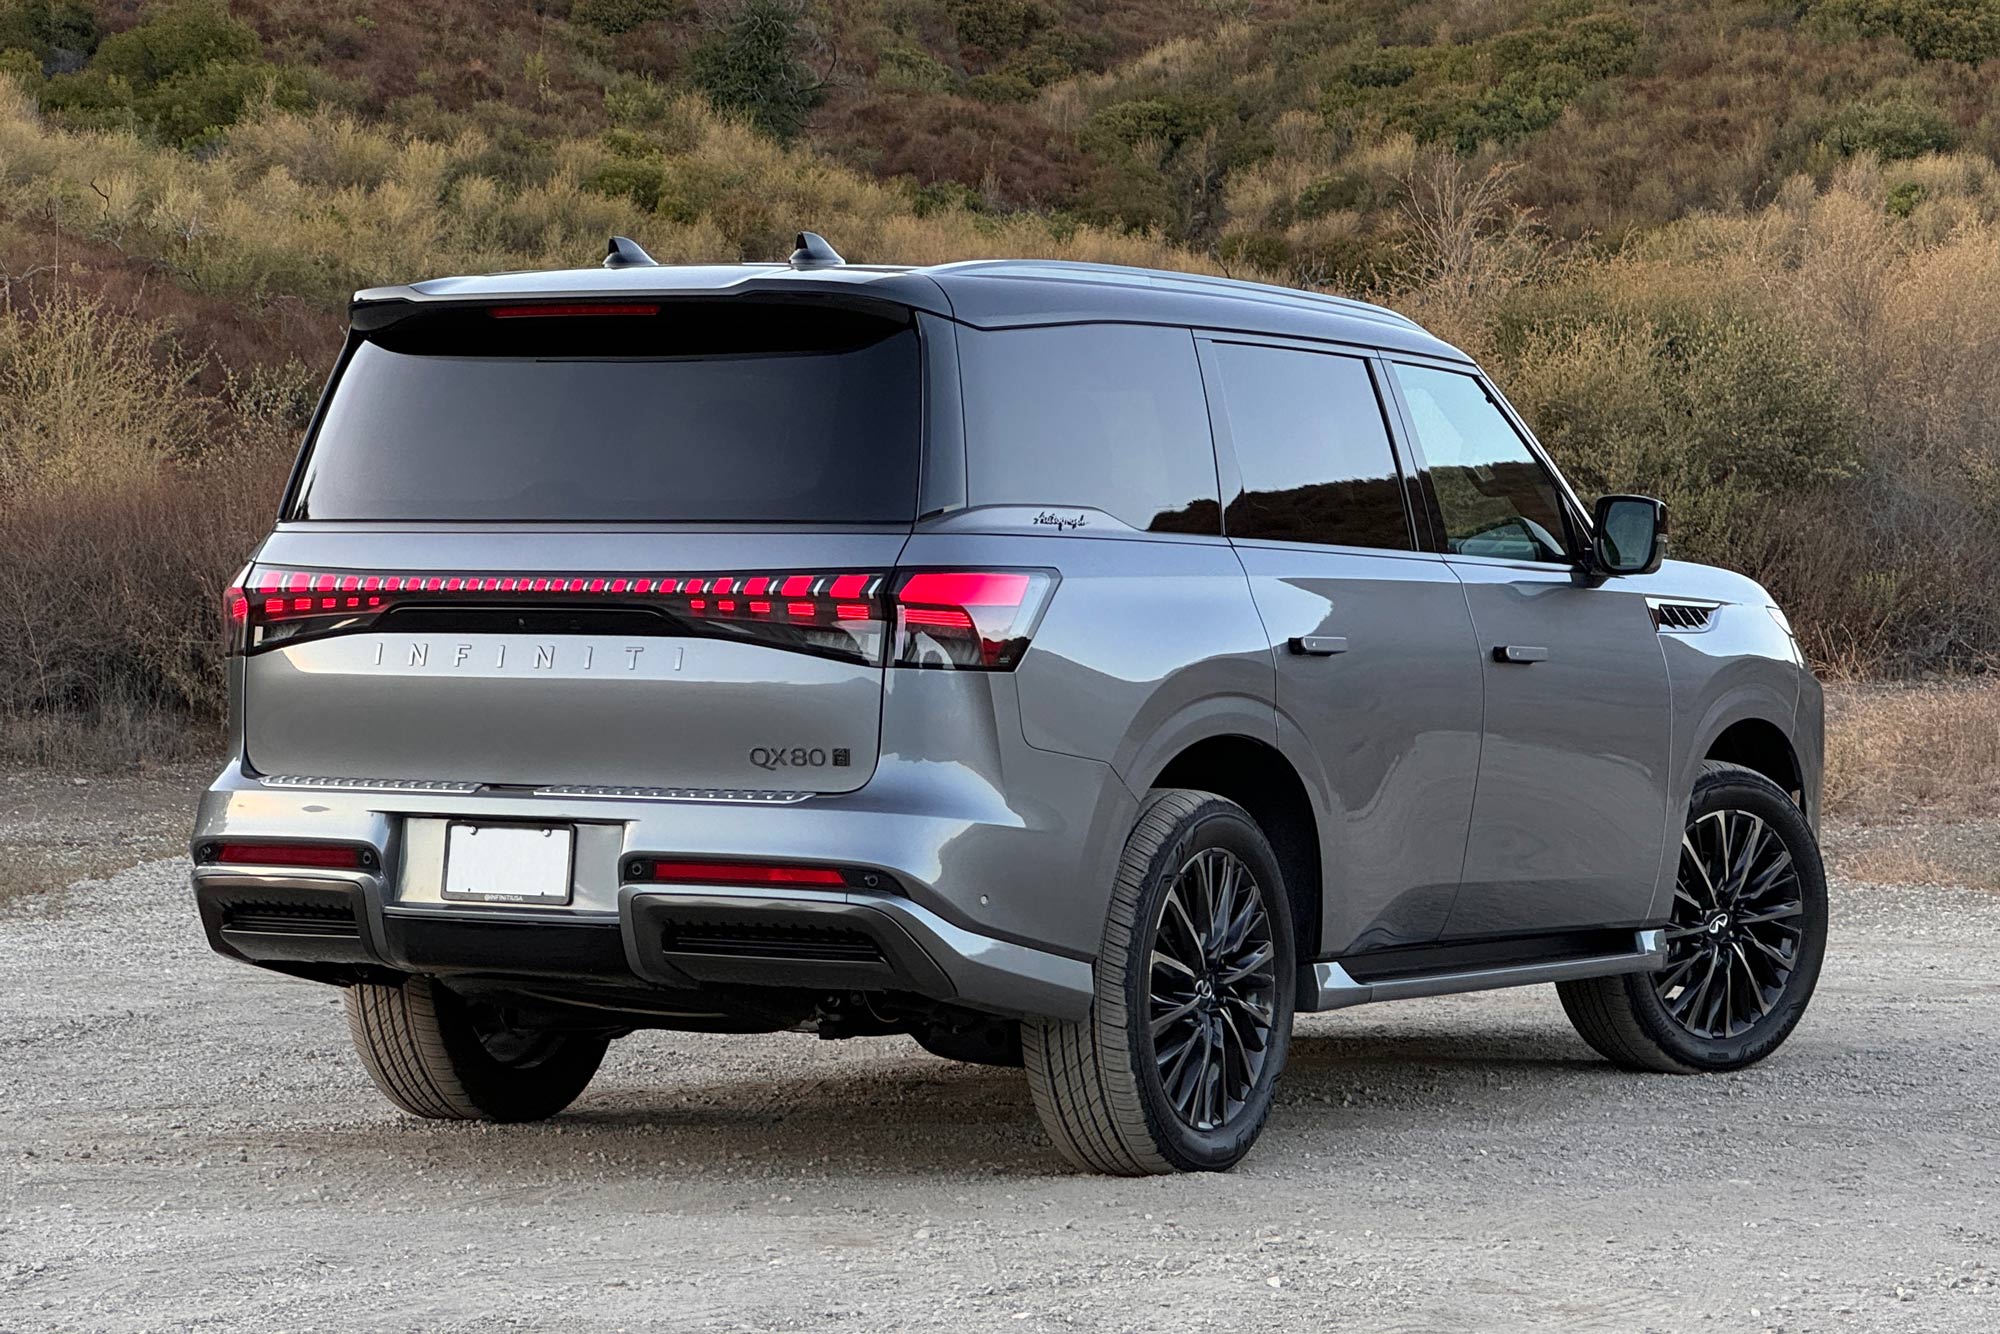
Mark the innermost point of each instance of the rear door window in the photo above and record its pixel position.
(1313, 449)
(681, 412)
(1108, 416)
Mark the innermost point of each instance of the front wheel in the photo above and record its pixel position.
(434, 1053)
(1744, 943)
(1176, 1067)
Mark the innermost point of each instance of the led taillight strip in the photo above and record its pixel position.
(277, 594)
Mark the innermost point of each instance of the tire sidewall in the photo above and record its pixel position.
(1740, 789)
(1215, 824)
(503, 1092)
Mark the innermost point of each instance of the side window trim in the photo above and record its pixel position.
(1229, 473)
(1576, 520)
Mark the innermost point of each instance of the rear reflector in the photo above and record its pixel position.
(732, 873)
(339, 856)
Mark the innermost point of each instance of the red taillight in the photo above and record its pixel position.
(733, 873)
(979, 619)
(341, 856)
(840, 613)
(971, 619)
(236, 613)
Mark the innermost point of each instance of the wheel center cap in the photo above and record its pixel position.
(1718, 923)
(1204, 988)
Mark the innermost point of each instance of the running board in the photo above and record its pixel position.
(1329, 986)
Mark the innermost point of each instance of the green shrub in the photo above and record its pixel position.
(1897, 127)
(1168, 121)
(192, 107)
(997, 27)
(1903, 199)
(753, 63)
(48, 30)
(177, 39)
(945, 197)
(23, 66)
(1390, 67)
(619, 16)
(912, 69)
(636, 100)
(639, 179)
(1963, 30)
(90, 100)
(1349, 190)
(1000, 88)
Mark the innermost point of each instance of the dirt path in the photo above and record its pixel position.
(186, 1143)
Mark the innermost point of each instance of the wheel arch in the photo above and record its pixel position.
(1257, 776)
(1761, 745)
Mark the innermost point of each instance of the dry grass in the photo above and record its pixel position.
(1933, 751)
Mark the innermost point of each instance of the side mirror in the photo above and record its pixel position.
(1631, 535)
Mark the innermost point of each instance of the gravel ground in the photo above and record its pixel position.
(190, 1144)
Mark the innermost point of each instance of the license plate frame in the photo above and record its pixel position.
(536, 863)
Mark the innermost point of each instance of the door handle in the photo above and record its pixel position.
(1319, 646)
(1522, 653)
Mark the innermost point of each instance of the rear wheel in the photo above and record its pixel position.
(1744, 944)
(1176, 1067)
(436, 1054)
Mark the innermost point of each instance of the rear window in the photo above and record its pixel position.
(682, 412)
(1103, 415)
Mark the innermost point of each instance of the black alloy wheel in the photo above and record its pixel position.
(1213, 989)
(1738, 921)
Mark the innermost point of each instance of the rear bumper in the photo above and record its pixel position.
(335, 926)
(919, 933)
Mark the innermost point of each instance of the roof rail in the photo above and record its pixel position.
(814, 253)
(622, 252)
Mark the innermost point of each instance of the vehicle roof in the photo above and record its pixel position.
(986, 294)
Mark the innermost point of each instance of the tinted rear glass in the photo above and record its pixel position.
(1313, 449)
(689, 413)
(1105, 415)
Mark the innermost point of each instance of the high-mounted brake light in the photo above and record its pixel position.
(978, 619)
(544, 310)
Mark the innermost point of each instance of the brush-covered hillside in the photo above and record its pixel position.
(1742, 255)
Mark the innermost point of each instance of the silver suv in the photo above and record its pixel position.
(1063, 665)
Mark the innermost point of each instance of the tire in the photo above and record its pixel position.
(1663, 1021)
(1098, 1083)
(434, 1054)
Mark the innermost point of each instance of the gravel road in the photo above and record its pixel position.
(190, 1144)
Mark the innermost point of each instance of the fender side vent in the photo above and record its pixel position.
(1683, 617)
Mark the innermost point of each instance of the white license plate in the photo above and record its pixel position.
(508, 863)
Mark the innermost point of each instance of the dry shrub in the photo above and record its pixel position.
(1895, 750)
(129, 496)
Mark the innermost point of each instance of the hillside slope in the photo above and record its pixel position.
(1740, 255)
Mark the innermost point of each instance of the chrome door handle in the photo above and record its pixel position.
(1319, 646)
(1522, 653)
